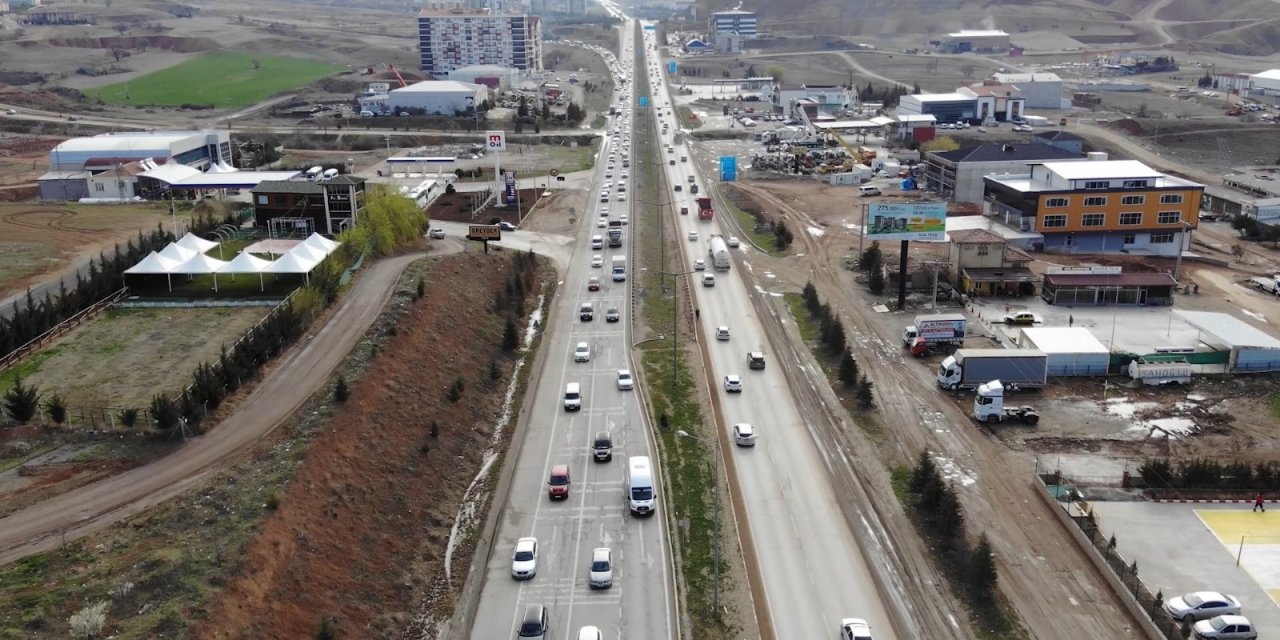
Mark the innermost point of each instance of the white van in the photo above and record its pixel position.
(641, 496)
(572, 397)
(868, 191)
(597, 242)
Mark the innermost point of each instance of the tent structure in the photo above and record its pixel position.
(247, 263)
(196, 243)
(178, 253)
(292, 263)
(320, 242)
(308, 252)
(154, 264)
(200, 264)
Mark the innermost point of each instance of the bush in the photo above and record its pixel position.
(340, 390)
(21, 402)
(272, 501)
(456, 389)
(866, 399)
(57, 408)
(328, 629)
(129, 417)
(510, 336)
(877, 284)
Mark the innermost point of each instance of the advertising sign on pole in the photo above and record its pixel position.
(671, 68)
(728, 168)
(921, 221)
(484, 232)
(495, 140)
(510, 191)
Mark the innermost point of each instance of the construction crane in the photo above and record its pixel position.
(399, 77)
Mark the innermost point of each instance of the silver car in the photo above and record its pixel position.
(1202, 605)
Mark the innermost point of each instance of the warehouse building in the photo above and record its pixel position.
(199, 149)
(1266, 83)
(1041, 90)
(1251, 349)
(944, 107)
(1071, 351)
(452, 36)
(437, 98)
(975, 40)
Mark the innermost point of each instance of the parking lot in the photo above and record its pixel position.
(1217, 547)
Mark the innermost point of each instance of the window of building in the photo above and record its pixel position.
(1057, 202)
(1161, 238)
(1130, 238)
(263, 200)
(1095, 201)
(1133, 200)
(1130, 218)
(1134, 184)
(1093, 220)
(1055, 222)
(1169, 217)
(1096, 184)
(98, 186)
(1171, 198)
(983, 249)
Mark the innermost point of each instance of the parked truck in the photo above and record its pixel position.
(933, 331)
(619, 268)
(615, 237)
(988, 406)
(704, 209)
(1269, 285)
(1018, 368)
(1157, 372)
(719, 254)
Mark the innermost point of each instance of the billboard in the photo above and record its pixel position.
(728, 168)
(510, 191)
(925, 221)
(495, 140)
(671, 68)
(484, 232)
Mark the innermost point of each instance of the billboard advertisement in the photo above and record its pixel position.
(923, 221)
(671, 68)
(509, 193)
(644, 102)
(728, 168)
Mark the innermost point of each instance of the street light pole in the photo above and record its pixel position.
(675, 322)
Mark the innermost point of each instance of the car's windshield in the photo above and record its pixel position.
(1218, 623)
(642, 493)
(600, 565)
(559, 480)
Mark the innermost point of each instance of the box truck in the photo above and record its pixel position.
(619, 268)
(934, 330)
(1016, 368)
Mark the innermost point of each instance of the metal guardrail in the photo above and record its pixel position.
(13, 357)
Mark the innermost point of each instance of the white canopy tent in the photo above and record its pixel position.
(292, 263)
(320, 242)
(154, 264)
(201, 264)
(196, 243)
(247, 263)
(308, 252)
(177, 253)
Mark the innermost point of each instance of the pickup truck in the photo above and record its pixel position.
(1022, 317)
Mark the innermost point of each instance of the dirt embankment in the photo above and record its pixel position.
(361, 531)
(171, 43)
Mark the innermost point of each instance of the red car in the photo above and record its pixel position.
(593, 284)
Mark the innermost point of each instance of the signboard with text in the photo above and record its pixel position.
(923, 221)
(728, 168)
(495, 140)
(509, 192)
(671, 68)
(484, 232)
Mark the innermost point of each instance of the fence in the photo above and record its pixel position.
(62, 327)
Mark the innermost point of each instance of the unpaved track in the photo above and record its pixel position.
(301, 372)
(1053, 586)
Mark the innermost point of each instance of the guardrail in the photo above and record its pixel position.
(57, 330)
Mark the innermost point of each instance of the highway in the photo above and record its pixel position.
(812, 569)
(641, 601)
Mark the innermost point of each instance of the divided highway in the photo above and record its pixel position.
(595, 514)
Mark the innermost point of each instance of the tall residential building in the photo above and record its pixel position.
(742, 23)
(451, 35)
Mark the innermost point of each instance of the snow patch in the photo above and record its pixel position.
(1253, 314)
(1123, 408)
(816, 232)
(951, 471)
(535, 321)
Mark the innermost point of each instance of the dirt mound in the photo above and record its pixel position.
(360, 533)
(1127, 126)
(57, 99)
(170, 43)
(19, 193)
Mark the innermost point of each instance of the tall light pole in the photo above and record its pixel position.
(675, 322)
(715, 527)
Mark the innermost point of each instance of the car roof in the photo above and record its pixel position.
(559, 469)
(1234, 619)
(601, 553)
(524, 542)
(533, 613)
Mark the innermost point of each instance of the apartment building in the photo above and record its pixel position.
(743, 23)
(451, 36)
(1098, 206)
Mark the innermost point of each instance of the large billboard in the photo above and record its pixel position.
(924, 221)
(510, 190)
(728, 168)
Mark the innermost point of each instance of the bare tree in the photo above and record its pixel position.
(121, 28)
(118, 53)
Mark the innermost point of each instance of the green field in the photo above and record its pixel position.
(221, 79)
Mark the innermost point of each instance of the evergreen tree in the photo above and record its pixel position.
(340, 389)
(848, 369)
(871, 259)
(981, 574)
(510, 336)
(21, 401)
(924, 470)
(866, 399)
(876, 283)
(164, 412)
(57, 408)
(810, 296)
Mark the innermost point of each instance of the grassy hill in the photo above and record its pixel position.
(222, 79)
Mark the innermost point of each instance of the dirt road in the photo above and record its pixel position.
(301, 372)
(1041, 570)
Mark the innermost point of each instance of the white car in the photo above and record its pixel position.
(597, 261)
(623, 218)
(693, 236)
(1202, 605)
(524, 562)
(625, 381)
(436, 233)
(722, 333)
(622, 197)
(590, 633)
(1224, 628)
(732, 242)
(854, 629)
(602, 223)
(744, 435)
(699, 265)
(582, 353)
(733, 384)
(600, 576)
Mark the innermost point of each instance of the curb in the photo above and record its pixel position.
(1210, 500)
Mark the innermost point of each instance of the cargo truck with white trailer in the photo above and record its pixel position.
(719, 254)
(1161, 371)
(933, 331)
(619, 268)
(1016, 368)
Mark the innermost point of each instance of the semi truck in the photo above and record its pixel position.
(704, 209)
(1018, 368)
(719, 254)
(988, 406)
(619, 268)
(928, 332)
(615, 236)
(1173, 371)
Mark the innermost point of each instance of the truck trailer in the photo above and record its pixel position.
(1016, 368)
(704, 209)
(934, 330)
(719, 254)
(619, 268)
(1161, 371)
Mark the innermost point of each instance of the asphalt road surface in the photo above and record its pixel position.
(300, 373)
(641, 602)
(812, 568)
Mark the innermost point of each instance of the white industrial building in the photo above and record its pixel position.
(198, 149)
(1266, 83)
(1251, 350)
(452, 35)
(1071, 351)
(975, 40)
(437, 97)
(1040, 90)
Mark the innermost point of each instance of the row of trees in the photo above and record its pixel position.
(1211, 474)
(871, 262)
(103, 276)
(937, 513)
(831, 337)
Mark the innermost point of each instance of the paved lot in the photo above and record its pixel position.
(1191, 547)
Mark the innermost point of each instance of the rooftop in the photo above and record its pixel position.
(974, 236)
(112, 144)
(1148, 279)
(917, 117)
(960, 223)
(1269, 74)
(1058, 134)
(1009, 152)
(977, 33)
(1102, 169)
(1014, 78)
(1230, 329)
(1063, 340)
(448, 10)
(997, 90)
(733, 12)
(438, 86)
(303, 187)
(941, 97)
